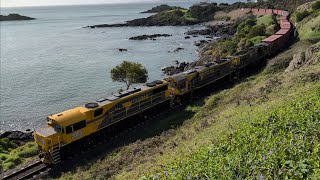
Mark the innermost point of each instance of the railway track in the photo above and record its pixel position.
(27, 172)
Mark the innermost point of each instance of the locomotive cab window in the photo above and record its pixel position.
(76, 126)
(68, 129)
(79, 125)
(98, 112)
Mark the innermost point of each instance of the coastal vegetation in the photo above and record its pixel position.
(12, 155)
(250, 31)
(14, 17)
(129, 73)
(307, 18)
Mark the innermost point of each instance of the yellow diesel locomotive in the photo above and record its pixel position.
(77, 123)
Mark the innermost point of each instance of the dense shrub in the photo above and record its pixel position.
(258, 30)
(271, 29)
(249, 22)
(11, 155)
(228, 47)
(301, 15)
(257, 39)
(204, 12)
(316, 5)
(6, 145)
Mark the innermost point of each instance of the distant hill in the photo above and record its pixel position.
(14, 17)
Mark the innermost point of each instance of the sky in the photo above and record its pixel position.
(18, 3)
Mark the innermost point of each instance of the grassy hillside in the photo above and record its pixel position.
(307, 21)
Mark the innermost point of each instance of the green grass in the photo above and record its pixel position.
(279, 142)
(266, 20)
(12, 155)
(309, 28)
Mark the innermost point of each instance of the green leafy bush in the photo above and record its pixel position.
(316, 5)
(258, 30)
(12, 155)
(257, 39)
(6, 145)
(301, 15)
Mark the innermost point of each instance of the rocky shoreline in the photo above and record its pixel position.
(18, 137)
(149, 21)
(220, 30)
(150, 37)
(14, 17)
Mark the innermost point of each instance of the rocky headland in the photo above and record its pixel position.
(174, 17)
(162, 7)
(14, 17)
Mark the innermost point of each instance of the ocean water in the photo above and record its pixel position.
(52, 64)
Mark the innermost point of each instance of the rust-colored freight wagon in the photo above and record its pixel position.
(276, 42)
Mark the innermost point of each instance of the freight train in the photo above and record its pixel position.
(78, 123)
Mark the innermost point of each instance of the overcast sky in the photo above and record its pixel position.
(14, 3)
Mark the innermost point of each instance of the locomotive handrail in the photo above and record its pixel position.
(59, 141)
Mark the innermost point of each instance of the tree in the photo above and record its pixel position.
(129, 73)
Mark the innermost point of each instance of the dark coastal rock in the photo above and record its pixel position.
(150, 37)
(187, 37)
(199, 32)
(14, 17)
(18, 137)
(160, 8)
(179, 67)
(200, 43)
(122, 49)
(178, 49)
(215, 31)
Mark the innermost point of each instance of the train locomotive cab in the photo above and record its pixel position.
(181, 83)
(63, 128)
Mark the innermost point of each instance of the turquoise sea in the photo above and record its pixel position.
(52, 64)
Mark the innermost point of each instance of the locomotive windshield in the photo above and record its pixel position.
(57, 127)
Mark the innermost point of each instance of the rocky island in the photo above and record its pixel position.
(14, 17)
